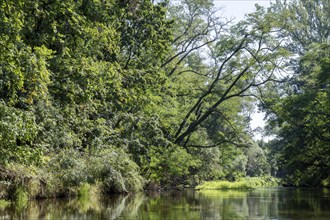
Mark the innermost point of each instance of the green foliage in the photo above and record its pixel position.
(70, 73)
(326, 182)
(169, 166)
(218, 185)
(111, 167)
(229, 162)
(243, 183)
(300, 118)
(84, 190)
(21, 197)
(118, 93)
(257, 164)
(4, 203)
(70, 172)
(304, 121)
(18, 132)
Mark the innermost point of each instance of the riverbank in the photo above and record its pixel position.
(64, 173)
(242, 183)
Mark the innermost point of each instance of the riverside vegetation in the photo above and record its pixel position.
(118, 96)
(242, 183)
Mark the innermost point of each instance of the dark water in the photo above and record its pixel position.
(263, 203)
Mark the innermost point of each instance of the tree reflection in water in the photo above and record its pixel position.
(263, 203)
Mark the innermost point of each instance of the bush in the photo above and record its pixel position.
(21, 195)
(18, 130)
(84, 190)
(71, 172)
(111, 167)
(4, 203)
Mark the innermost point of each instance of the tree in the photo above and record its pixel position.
(227, 63)
(301, 116)
(79, 68)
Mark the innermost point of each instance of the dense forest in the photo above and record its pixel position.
(136, 94)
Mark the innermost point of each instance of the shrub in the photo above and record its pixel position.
(4, 203)
(111, 167)
(84, 190)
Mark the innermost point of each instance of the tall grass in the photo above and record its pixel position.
(243, 183)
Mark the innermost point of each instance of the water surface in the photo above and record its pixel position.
(262, 203)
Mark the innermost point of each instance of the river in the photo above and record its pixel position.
(262, 203)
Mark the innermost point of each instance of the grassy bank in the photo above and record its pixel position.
(243, 183)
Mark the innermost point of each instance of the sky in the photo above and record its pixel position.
(238, 8)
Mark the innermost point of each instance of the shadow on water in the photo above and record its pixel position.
(263, 203)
